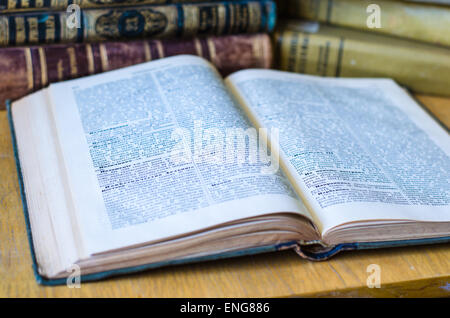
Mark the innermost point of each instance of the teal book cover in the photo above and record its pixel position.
(178, 20)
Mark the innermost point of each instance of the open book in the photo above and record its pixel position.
(166, 162)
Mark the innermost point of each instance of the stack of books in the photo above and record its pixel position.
(42, 42)
(408, 41)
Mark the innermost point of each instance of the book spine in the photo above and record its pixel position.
(423, 68)
(8, 6)
(27, 69)
(167, 21)
(414, 21)
(436, 2)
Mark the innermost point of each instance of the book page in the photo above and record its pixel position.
(37, 152)
(143, 151)
(355, 149)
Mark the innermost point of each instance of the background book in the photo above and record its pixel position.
(26, 5)
(414, 21)
(324, 50)
(26, 69)
(164, 21)
(440, 2)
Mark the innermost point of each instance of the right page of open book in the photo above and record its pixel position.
(355, 149)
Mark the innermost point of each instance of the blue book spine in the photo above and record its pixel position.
(147, 21)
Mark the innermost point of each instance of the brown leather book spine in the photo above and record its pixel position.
(26, 69)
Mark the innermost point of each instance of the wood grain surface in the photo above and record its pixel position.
(405, 272)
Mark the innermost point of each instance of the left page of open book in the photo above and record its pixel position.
(141, 165)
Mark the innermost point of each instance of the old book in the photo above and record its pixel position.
(163, 21)
(26, 69)
(167, 162)
(414, 21)
(7, 6)
(324, 50)
(439, 2)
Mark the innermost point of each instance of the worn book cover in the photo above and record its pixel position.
(7, 6)
(415, 21)
(162, 21)
(325, 50)
(27, 69)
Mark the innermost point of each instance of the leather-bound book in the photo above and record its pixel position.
(151, 21)
(27, 69)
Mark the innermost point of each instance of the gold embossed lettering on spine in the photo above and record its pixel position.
(414, 21)
(343, 52)
(167, 21)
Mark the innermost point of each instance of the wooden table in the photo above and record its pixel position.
(412, 271)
